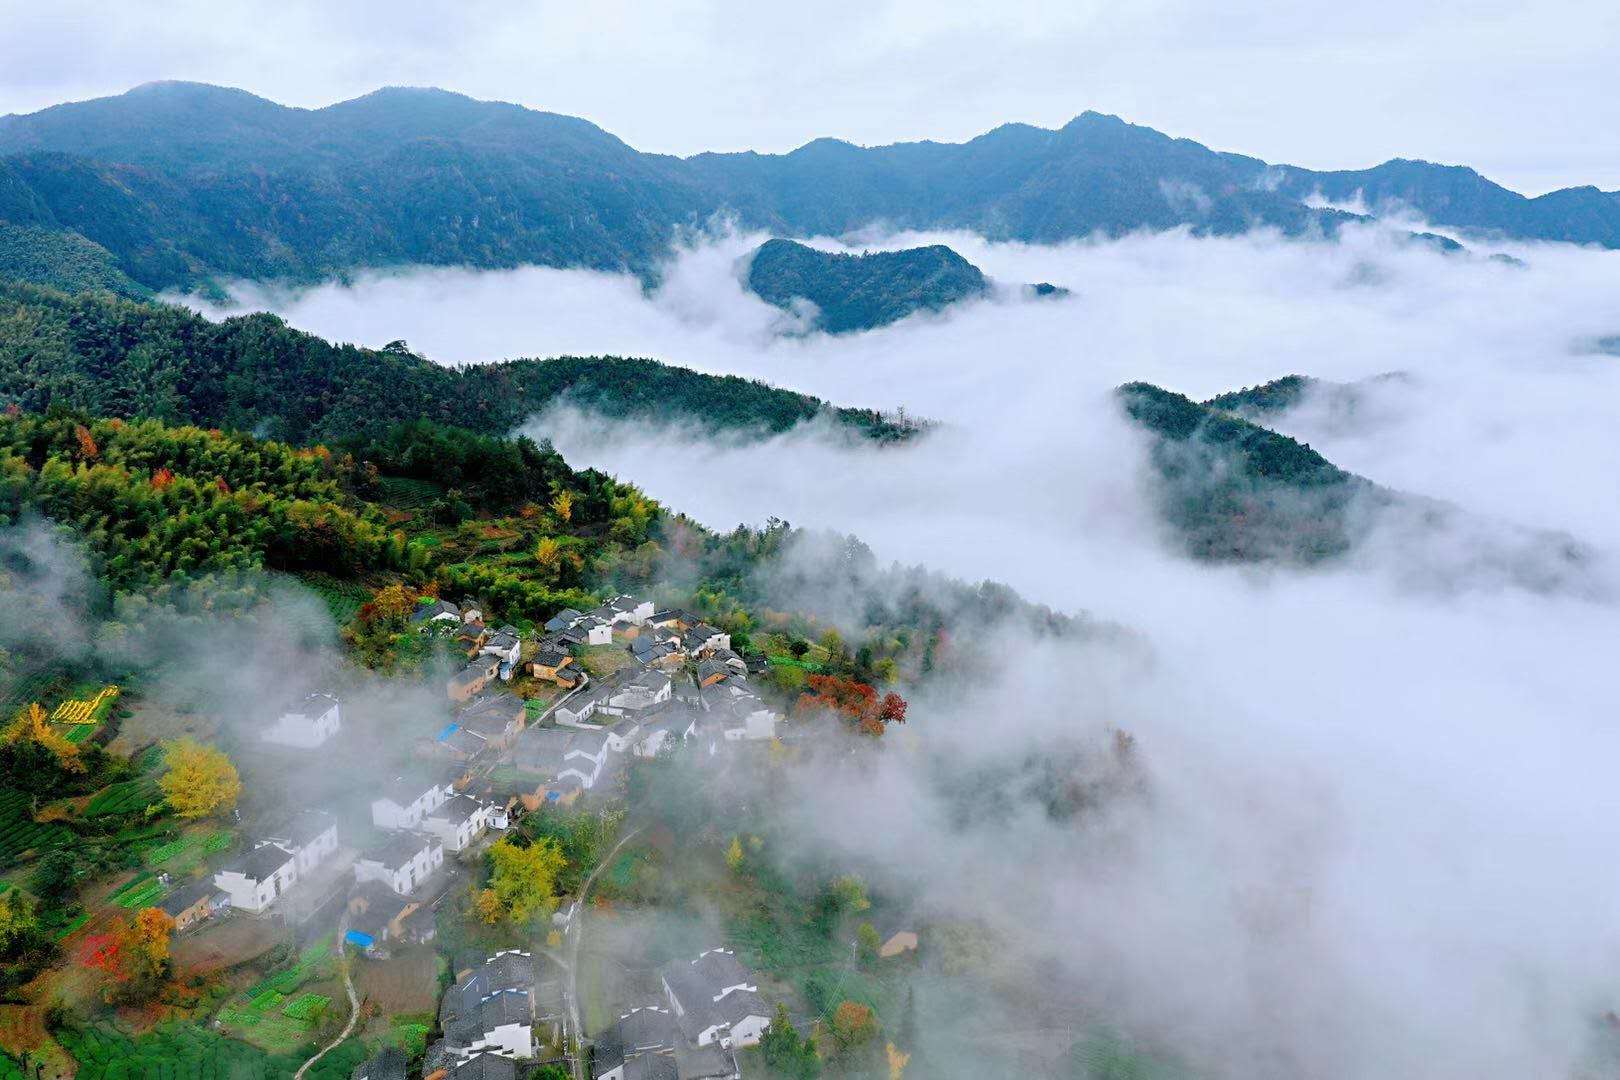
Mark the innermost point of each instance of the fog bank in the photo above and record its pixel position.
(1419, 780)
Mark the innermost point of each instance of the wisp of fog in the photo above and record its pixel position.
(1415, 784)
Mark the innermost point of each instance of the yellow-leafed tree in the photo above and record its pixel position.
(200, 780)
(522, 881)
(32, 725)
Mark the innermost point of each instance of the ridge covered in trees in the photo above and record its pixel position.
(113, 357)
(185, 183)
(862, 292)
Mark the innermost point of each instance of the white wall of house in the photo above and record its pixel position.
(599, 634)
(458, 836)
(255, 896)
(317, 850)
(388, 814)
(749, 1030)
(303, 730)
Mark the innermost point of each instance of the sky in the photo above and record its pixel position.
(1381, 832)
(1521, 92)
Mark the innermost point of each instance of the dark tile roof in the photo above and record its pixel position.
(261, 862)
(484, 1066)
(399, 849)
(298, 828)
(702, 1062)
(640, 1031)
(697, 982)
(186, 896)
(652, 1067)
(389, 1064)
(457, 809)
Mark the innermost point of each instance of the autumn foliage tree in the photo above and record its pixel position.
(858, 703)
(134, 956)
(33, 726)
(199, 780)
(853, 1024)
(522, 882)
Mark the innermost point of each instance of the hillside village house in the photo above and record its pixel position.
(432, 613)
(666, 729)
(402, 862)
(495, 715)
(646, 691)
(259, 878)
(551, 660)
(379, 916)
(647, 1044)
(716, 1000)
(192, 903)
(459, 821)
(480, 1066)
(306, 725)
(492, 1009)
(738, 712)
(311, 836)
(406, 800)
(702, 638)
(561, 754)
(473, 678)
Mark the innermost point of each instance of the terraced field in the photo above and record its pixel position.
(20, 833)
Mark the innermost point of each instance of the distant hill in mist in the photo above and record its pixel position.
(862, 292)
(184, 183)
(1234, 491)
(124, 359)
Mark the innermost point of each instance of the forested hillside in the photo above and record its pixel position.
(119, 358)
(862, 292)
(185, 183)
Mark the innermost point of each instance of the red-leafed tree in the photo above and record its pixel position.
(857, 702)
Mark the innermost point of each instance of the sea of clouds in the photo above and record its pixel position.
(1421, 779)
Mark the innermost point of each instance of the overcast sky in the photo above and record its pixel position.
(1528, 94)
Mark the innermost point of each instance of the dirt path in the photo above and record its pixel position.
(576, 932)
(354, 1006)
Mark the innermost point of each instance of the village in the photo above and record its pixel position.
(664, 679)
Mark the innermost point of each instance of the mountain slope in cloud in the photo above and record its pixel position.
(124, 359)
(861, 292)
(185, 183)
(1234, 491)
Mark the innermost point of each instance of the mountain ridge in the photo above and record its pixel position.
(187, 183)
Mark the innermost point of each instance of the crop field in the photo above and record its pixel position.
(343, 598)
(182, 851)
(142, 891)
(124, 797)
(272, 1014)
(40, 685)
(20, 833)
(175, 1051)
(409, 494)
(85, 710)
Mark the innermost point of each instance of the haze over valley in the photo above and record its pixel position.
(1073, 603)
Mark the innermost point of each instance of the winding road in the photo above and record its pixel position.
(576, 930)
(354, 1006)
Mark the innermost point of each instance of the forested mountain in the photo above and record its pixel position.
(861, 292)
(121, 358)
(184, 183)
(1232, 490)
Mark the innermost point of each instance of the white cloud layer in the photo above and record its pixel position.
(1432, 772)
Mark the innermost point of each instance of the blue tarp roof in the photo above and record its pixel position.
(449, 730)
(355, 937)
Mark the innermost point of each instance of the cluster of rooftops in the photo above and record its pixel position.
(507, 1009)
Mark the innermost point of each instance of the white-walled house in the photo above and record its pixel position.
(402, 862)
(491, 1008)
(738, 712)
(597, 630)
(308, 724)
(504, 644)
(716, 999)
(648, 690)
(458, 821)
(702, 638)
(311, 836)
(405, 801)
(257, 879)
(629, 610)
(673, 726)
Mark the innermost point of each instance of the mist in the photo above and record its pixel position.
(1420, 779)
